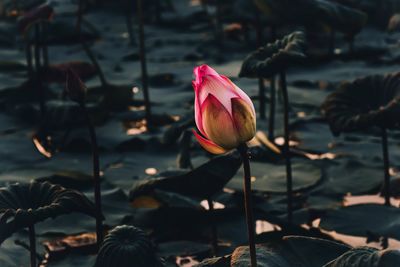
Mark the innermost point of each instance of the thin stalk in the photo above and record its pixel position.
(32, 245)
(158, 11)
(38, 68)
(142, 52)
(45, 50)
(243, 150)
(385, 152)
(351, 45)
(271, 121)
(332, 42)
(218, 23)
(29, 61)
(96, 64)
(261, 97)
(261, 85)
(272, 104)
(286, 150)
(129, 22)
(96, 176)
(79, 17)
(213, 227)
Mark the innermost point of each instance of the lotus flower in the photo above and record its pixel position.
(224, 114)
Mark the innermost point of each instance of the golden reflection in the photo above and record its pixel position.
(264, 226)
(355, 241)
(350, 200)
(41, 148)
(280, 141)
(135, 108)
(136, 127)
(216, 205)
(151, 171)
(185, 261)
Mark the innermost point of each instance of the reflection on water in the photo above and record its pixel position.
(216, 205)
(356, 241)
(151, 171)
(135, 127)
(264, 226)
(41, 148)
(350, 200)
(186, 261)
(280, 141)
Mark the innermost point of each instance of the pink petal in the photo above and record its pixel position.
(241, 94)
(219, 88)
(208, 145)
(218, 123)
(197, 112)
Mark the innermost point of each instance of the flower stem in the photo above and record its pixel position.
(261, 97)
(28, 51)
(142, 53)
(286, 150)
(96, 177)
(213, 226)
(271, 119)
(45, 49)
(38, 67)
(32, 245)
(243, 150)
(129, 22)
(385, 152)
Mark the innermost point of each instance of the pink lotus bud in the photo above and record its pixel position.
(224, 114)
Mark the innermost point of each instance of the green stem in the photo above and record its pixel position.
(213, 226)
(32, 245)
(286, 149)
(271, 118)
(243, 150)
(96, 177)
(385, 152)
(142, 52)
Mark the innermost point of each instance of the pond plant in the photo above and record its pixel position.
(22, 205)
(369, 102)
(272, 59)
(76, 91)
(36, 21)
(143, 63)
(226, 120)
(126, 246)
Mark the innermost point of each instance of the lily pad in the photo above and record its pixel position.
(367, 257)
(272, 178)
(364, 219)
(202, 182)
(366, 102)
(275, 57)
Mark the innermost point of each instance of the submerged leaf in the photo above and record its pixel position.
(274, 57)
